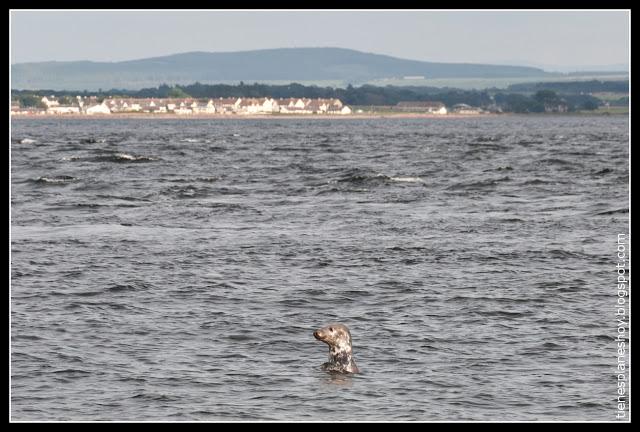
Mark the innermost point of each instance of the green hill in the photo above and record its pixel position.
(286, 64)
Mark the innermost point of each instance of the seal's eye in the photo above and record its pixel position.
(331, 329)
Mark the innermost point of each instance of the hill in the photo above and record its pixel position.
(284, 64)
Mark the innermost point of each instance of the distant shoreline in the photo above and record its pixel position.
(145, 116)
(371, 116)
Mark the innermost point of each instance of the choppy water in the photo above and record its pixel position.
(175, 270)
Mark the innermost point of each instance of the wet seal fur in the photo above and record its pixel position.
(338, 337)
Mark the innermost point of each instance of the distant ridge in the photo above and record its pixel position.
(282, 64)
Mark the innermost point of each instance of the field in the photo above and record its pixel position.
(612, 110)
(483, 83)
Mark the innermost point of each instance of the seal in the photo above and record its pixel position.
(338, 337)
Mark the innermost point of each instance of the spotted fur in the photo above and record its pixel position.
(338, 337)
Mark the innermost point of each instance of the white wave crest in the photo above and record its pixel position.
(407, 179)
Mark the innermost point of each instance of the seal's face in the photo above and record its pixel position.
(338, 337)
(335, 335)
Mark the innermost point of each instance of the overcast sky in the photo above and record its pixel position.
(552, 39)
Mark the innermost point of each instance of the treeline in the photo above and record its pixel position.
(545, 100)
(366, 95)
(573, 87)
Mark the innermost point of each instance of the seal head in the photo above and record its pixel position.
(338, 337)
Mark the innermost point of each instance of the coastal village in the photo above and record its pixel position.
(91, 105)
(186, 106)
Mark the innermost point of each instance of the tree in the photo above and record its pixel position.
(177, 92)
(589, 105)
(547, 97)
(65, 100)
(30, 101)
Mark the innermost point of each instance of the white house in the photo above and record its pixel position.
(210, 108)
(269, 105)
(317, 106)
(63, 110)
(226, 105)
(50, 102)
(295, 110)
(257, 106)
(183, 110)
(336, 110)
(248, 106)
(98, 109)
(130, 106)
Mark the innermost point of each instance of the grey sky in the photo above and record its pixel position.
(553, 39)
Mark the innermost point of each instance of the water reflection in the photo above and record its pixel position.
(337, 379)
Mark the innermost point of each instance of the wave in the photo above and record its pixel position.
(87, 293)
(216, 148)
(610, 212)
(155, 397)
(128, 157)
(556, 161)
(62, 179)
(121, 197)
(537, 182)
(337, 190)
(195, 179)
(500, 168)
(603, 171)
(526, 143)
(407, 179)
(479, 184)
(359, 177)
(124, 158)
(89, 205)
(288, 149)
(133, 286)
(72, 371)
(189, 191)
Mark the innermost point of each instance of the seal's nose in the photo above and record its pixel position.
(315, 334)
